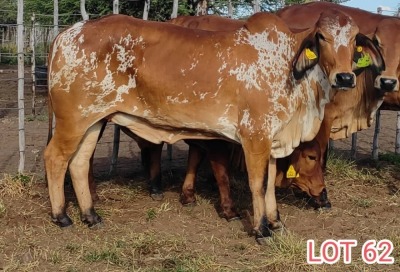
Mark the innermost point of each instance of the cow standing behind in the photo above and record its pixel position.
(354, 111)
(131, 72)
(347, 113)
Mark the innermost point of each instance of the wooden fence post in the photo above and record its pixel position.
(21, 83)
(353, 153)
(146, 9)
(174, 9)
(33, 62)
(375, 143)
(115, 6)
(230, 9)
(397, 144)
(84, 14)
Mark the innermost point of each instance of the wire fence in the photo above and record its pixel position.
(36, 129)
(37, 39)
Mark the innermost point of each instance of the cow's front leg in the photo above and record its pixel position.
(151, 161)
(79, 169)
(270, 199)
(152, 165)
(256, 166)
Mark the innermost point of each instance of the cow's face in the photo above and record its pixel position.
(306, 160)
(333, 45)
(387, 38)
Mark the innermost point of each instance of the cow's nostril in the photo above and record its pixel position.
(388, 84)
(344, 80)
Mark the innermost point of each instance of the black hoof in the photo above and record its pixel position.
(263, 231)
(63, 221)
(235, 218)
(262, 238)
(97, 225)
(92, 219)
(326, 207)
(262, 241)
(157, 196)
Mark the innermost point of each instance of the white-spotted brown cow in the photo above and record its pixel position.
(258, 86)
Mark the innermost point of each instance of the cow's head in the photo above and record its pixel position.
(304, 172)
(333, 45)
(387, 39)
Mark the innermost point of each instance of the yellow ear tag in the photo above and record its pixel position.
(291, 173)
(359, 49)
(364, 61)
(310, 54)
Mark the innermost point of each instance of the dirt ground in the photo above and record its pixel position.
(140, 234)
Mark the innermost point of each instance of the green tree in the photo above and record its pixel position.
(8, 14)
(160, 10)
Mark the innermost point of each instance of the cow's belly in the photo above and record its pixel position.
(171, 133)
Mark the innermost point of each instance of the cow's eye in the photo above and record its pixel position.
(321, 37)
(313, 158)
(376, 41)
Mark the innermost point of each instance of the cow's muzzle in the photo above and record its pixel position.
(321, 201)
(344, 81)
(388, 84)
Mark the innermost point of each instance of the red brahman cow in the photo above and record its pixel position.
(353, 111)
(258, 86)
(349, 112)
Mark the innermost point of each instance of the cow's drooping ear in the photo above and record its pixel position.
(367, 54)
(306, 58)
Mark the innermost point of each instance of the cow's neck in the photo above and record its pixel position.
(358, 107)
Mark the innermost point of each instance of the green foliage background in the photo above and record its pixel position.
(160, 10)
(69, 13)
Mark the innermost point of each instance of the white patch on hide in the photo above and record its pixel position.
(272, 63)
(340, 34)
(177, 100)
(67, 43)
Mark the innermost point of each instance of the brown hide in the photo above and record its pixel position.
(237, 86)
(346, 117)
(208, 22)
(354, 111)
(221, 151)
(385, 30)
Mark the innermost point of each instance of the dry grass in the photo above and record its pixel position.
(17, 185)
(142, 235)
(347, 170)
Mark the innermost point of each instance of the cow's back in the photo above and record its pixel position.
(306, 15)
(208, 22)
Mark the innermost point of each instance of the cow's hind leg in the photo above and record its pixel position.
(92, 182)
(151, 161)
(56, 156)
(79, 170)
